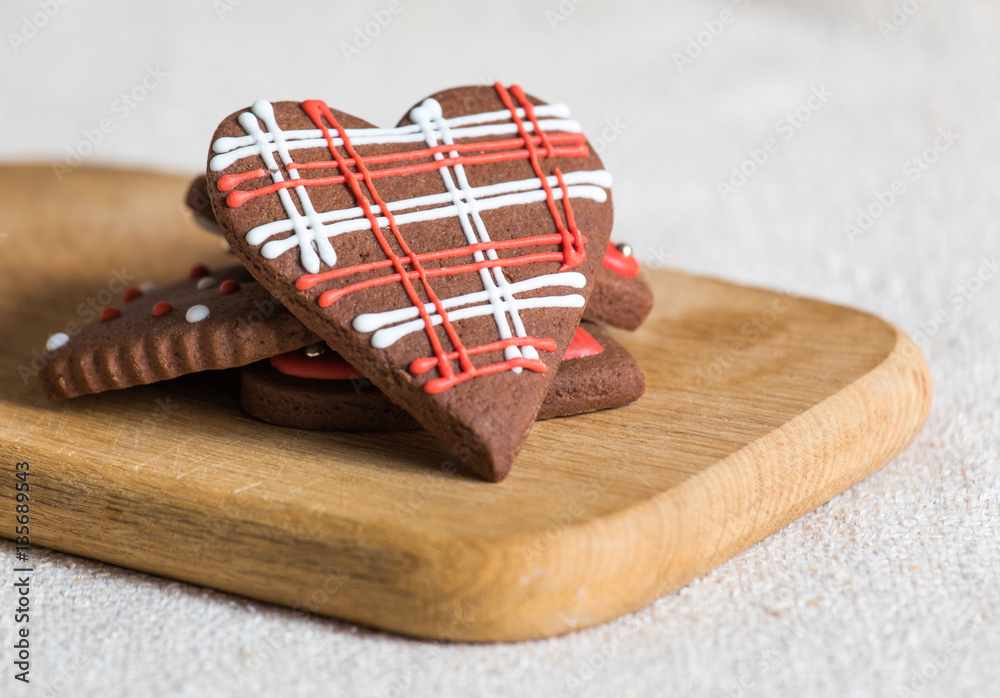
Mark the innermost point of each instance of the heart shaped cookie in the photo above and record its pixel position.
(449, 258)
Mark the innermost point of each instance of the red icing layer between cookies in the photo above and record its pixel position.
(328, 366)
(583, 344)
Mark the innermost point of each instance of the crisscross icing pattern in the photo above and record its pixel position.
(521, 131)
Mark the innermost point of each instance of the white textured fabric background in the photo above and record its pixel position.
(890, 589)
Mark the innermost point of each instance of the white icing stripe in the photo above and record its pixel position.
(559, 111)
(276, 247)
(304, 226)
(386, 337)
(369, 322)
(224, 160)
(230, 149)
(429, 116)
(352, 219)
(598, 177)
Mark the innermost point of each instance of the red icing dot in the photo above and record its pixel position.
(229, 286)
(615, 261)
(583, 344)
(131, 293)
(327, 366)
(162, 308)
(110, 313)
(198, 271)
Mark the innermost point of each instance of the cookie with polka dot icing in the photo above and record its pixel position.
(315, 388)
(620, 298)
(210, 319)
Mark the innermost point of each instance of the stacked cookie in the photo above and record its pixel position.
(448, 273)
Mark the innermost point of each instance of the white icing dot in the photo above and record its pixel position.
(197, 313)
(56, 341)
(206, 282)
(147, 286)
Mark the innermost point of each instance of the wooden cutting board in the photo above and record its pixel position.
(759, 407)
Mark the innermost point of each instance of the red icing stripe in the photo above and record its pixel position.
(332, 366)
(227, 182)
(328, 298)
(573, 250)
(306, 282)
(615, 261)
(318, 111)
(240, 197)
(327, 366)
(423, 365)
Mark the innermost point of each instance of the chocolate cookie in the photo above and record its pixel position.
(620, 298)
(200, 205)
(448, 258)
(314, 388)
(210, 320)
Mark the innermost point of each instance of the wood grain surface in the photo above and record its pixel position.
(759, 407)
